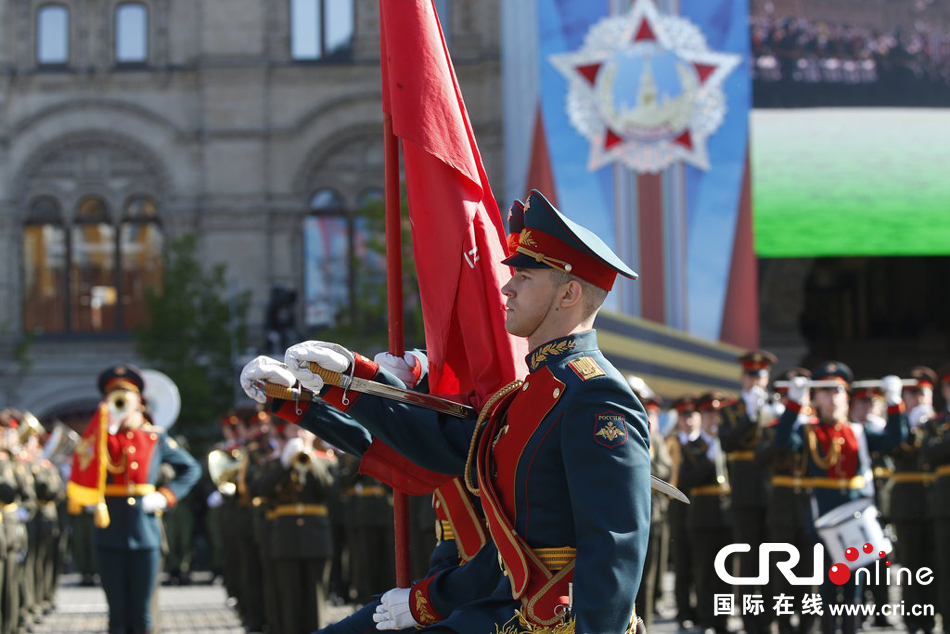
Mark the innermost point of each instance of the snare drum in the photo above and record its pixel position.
(853, 525)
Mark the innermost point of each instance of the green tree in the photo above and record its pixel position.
(196, 328)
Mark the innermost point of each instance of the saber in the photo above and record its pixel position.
(426, 401)
(856, 384)
(664, 487)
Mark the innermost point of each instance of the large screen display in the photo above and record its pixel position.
(850, 133)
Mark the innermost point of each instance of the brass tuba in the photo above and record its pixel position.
(29, 426)
(61, 444)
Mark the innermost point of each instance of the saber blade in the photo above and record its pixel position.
(664, 487)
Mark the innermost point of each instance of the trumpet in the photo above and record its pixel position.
(301, 463)
(225, 469)
(118, 403)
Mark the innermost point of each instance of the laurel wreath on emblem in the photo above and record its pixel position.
(550, 349)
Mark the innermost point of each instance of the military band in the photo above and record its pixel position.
(540, 516)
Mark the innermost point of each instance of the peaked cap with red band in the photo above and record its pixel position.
(867, 393)
(833, 371)
(685, 403)
(711, 401)
(515, 225)
(550, 239)
(124, 377)
(926, 378)
(755, 361)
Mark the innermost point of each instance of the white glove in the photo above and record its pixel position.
(399, 367)
(215, 500)
(154, 501)
(920, 414)
(754, 400)
(330, 356)
(893, 388)
(291, 448)
(797, 388)
(23, 514)
(393, 611)
(264, 369)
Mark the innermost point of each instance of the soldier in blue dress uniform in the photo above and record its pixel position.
(560, 460)
(115, 468)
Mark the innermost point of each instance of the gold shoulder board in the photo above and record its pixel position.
(586, 368)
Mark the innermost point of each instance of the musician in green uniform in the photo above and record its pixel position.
(936, 453)
(788, 518)
(179, 522)
(739, 434)
(10, 527)
(297, 486)
(687, 429)
(704, 476)
(907, 493)
(867, 408)
(661, 466)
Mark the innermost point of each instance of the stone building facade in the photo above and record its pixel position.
(126, 124)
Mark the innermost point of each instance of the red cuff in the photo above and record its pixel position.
(895, 409)
(793, 406)
(169, 495)
(288, 410)
(365, 369)
(420, 603)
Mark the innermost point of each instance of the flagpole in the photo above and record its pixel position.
(397, 344)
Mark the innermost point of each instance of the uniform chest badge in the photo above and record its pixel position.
(610, 429)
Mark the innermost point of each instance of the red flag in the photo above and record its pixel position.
(87, 480)
(458, 238)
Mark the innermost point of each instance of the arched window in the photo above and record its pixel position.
(328, 232)
(44, 267)
(92, 282)
(321, 29)
(443, 10)
(52, 35)
(141, 243)
(131, 33)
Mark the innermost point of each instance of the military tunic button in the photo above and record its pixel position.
(300, 521)
(134, 465)
(556, 393)
(131, 501)
(129, 435)
(132, 449)
(153, 436)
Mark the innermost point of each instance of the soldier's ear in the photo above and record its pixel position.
(572, 294)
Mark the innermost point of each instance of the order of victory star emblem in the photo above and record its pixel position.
(645, 90)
